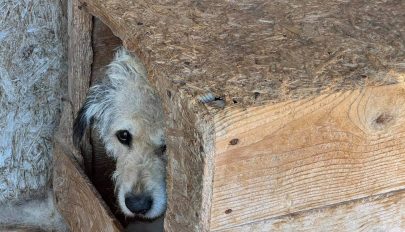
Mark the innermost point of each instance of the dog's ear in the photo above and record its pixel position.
(93, 111)
(81, 124)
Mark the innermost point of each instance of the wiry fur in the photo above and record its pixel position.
(126, 101)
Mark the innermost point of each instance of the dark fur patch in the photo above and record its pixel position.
(79, 126)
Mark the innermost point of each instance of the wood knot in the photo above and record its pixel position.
(234, 142)
(384, 118)
(228, 211)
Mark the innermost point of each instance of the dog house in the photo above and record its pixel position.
(281, 115)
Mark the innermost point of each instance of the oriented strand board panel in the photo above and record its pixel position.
(32, 82)
(259, 50)
(381, 213)
(76, 198)
(299, 155)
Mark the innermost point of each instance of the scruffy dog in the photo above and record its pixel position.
(127, 114)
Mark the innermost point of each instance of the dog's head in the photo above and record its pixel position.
(127, 114)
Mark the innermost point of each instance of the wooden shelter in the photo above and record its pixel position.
(281, 115)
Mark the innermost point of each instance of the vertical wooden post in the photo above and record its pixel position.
(80, 58)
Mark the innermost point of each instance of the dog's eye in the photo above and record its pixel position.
(124, 137)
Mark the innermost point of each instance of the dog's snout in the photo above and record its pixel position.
(138, 204)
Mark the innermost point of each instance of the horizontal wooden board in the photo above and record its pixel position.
(76, 198)
(381, 213)
(298, 155)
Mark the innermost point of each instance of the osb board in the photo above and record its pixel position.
(258, 50)
(381, 213)
(76, 198)
(32, 82)
(104, 44)
(298, 155)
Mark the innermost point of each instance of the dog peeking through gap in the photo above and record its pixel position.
(127, 114)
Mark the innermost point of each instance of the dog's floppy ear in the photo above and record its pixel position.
(93, 110)
(81, 123)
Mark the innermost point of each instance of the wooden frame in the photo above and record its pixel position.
(305, 126)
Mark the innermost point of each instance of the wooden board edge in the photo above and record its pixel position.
(76, 198)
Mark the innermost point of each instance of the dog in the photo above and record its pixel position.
(127, 114)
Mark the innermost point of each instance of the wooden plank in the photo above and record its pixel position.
(293, 156)
(189, 169)
(80, 58)
(80, 53)
(380, 213)
(76, 198)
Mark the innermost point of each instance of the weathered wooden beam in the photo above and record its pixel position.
(270, 63)
(80, 53)
(75, 197)
(80, 58)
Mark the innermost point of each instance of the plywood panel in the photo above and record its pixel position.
(294, 156)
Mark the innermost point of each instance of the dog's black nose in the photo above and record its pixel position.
(138, 204)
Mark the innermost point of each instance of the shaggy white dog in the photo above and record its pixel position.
(127, 114)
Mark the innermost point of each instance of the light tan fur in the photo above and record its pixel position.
(126, 101)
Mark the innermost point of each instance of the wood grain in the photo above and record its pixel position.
(76, 198)
(299, 155)
(80, 58)
(80, 53)
(385, 212)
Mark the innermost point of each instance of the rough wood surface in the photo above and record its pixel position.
(76, 198)
(255, 51)
(190, 165)
(80, 53)
(80, 58)
(299, 155)
(32, 72)
(380, 213)
(252, 53)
